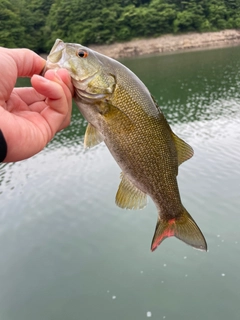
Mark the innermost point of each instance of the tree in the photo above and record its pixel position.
(11, 31)
(37, 23)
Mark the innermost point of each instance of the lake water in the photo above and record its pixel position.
(68, 252)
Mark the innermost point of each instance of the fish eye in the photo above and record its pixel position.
(82, 53)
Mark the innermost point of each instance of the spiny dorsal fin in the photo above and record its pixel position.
(184, 150)
(92, 137)
(155, 102)
(128, 196)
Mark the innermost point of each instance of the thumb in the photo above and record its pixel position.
(28, 62)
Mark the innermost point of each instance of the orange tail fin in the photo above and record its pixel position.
(183, 228)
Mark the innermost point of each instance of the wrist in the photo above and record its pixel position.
(3, 147)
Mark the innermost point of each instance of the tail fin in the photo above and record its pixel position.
(183, 228)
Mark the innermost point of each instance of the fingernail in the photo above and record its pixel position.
(3, 147)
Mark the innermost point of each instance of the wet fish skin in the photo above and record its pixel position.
(122, 113)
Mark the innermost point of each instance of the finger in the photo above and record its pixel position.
(16, 105)
(59, 100)
(29, 95)
(62, 76)
(28, 62)
(53, 88)
(65, 77)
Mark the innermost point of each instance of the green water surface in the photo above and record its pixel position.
(67, 252)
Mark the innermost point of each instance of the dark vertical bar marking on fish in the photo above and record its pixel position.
(3, 147)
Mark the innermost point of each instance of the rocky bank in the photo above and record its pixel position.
(170, 43)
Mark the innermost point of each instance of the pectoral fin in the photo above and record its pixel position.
(92, 137)
(130, 197)
(184, 150)
(115, 117)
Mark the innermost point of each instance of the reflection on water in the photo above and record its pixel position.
(195, 86)
(67, 252)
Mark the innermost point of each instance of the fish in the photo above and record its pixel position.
(121, 111)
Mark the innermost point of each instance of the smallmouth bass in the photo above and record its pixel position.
(121, 112)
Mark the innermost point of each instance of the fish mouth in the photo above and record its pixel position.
(58, 44)
(54, 57)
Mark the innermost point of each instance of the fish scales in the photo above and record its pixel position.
(144, 144)
(122, 113)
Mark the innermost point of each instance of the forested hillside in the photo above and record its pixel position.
(37, 23)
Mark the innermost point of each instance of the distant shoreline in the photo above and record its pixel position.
(169, 44)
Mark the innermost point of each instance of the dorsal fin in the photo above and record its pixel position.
(92, 137)
(184, 150)
(128, 196)
(156, 104)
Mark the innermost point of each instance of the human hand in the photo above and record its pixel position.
(31, 116)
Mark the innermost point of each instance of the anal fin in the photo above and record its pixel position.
(130, 197)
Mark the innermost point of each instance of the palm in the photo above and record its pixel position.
(25, 107)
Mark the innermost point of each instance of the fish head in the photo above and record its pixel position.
(90, 79)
